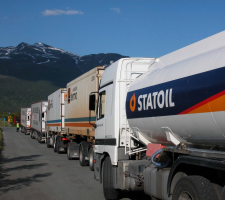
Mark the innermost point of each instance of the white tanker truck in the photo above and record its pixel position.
(177, 102)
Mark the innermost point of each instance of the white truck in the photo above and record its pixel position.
(38, 118)
(25, 120)
(177, 102)
(55, 123)
(81, 134)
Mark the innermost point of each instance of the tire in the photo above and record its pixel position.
(58, 146)
(68, 152)
(55, 145)
(218, 190)
(82, 160)
(91, 159)
(39, 138)
(194, 188)
(48, 142)
(222, 194)
(109, 191)
(69, 157)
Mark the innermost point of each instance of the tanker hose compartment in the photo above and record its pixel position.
(165, 164)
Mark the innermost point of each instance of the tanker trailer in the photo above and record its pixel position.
(163, 132)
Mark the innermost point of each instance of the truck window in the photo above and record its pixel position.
(101, 105)
(28, 118)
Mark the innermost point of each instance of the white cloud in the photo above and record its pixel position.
(61, 12)
(5, 18)
(116, 10)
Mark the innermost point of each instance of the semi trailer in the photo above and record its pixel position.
(25, 120)
(55, 135)
(160, 124)
(81, 134)
(38, 120)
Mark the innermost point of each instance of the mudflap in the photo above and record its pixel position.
(98, 166)
(74, 149)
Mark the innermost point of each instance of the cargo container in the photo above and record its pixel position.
(55, 121)
(25, 120)
(79, 131)
(38, 119)
(160, 124)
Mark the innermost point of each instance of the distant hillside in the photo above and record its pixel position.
(29, 73)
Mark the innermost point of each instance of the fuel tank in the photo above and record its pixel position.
(182, 97)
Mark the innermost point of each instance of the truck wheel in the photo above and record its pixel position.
(91, 159)
(48, 142)
(39, 138)
(58, 146)
(55, 145)
(222, 194)
(109, 191)
(83, 162)
(194, 188)
(218, 190)
(68, 152)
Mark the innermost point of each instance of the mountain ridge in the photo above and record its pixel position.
(41, 65)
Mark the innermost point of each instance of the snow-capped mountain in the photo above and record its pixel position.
(25, 60)
(29, 73)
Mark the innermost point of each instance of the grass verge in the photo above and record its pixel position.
(6, 124)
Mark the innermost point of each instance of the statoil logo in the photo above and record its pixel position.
(155, 100)
(133, 103)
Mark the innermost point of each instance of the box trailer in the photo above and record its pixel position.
(81, 134)
(55, 120)
(175, 110)
(25, 120)
(38, 119)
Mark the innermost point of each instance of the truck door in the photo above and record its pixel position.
(100, 122)
(101, 114)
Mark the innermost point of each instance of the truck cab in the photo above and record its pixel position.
(112, 134)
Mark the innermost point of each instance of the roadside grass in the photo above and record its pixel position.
(0, 139)
(6, 124)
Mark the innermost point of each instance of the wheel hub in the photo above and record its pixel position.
(185, 196)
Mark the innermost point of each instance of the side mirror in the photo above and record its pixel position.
(92, 102)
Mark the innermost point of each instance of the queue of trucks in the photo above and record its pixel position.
(144, 124)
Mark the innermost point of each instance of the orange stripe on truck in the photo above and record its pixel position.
(54, 124)
(213, 104)
(78, 124)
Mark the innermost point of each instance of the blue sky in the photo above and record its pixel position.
(136, 28)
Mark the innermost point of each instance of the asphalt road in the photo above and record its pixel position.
(29, 170)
